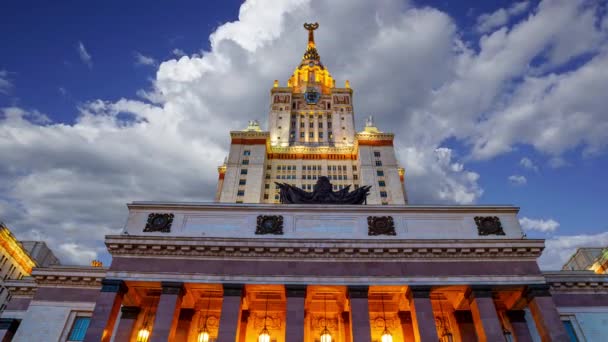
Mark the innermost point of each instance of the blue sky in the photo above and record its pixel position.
(492, 102)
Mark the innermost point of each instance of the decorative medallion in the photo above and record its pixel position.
(489, 225)
(380, 225)
(158, 222)
(271, 224)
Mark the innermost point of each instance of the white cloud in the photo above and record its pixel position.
(545, 226)
(489, 21)
(178, 52)
(558, 249)
(527, 163)
(144, 60)
(517, 180)
(409, 64)
(84, 55)
(5, 84)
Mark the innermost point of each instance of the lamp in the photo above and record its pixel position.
(144, 333)
(386, 335)
(203, 333)
(325, 335)
(446, 336)
(265, 334)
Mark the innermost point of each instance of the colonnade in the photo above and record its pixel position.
(174, 311)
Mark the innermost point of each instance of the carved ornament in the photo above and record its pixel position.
(489, 225)
(158, 222)
(380, 225)
(269, 224)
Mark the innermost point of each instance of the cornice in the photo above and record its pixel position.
(69, 276)
(389, 250)
(22, 288)
(249, 134)
(576, 281)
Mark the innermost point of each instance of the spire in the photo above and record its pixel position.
(311, 51)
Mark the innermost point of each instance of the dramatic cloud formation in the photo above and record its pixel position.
(409, 67)
(517, 180)
(144, 60)
(84, 55)
(540, 225)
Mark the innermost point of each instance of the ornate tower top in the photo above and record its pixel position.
(311, 33)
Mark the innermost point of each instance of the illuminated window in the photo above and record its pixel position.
(79, 328)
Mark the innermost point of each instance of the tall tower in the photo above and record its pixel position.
(311, 133)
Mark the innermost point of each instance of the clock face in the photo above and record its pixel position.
(311, 64)
(312, 95)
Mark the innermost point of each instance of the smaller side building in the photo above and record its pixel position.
(588, 259)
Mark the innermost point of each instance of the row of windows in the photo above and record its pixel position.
(312, 168)
(310, 125)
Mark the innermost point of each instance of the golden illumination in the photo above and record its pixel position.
(264, 336)
(386, 336)
(276, 83)
(203, 336)
(325, 336)
(143, 335)
(14, 250)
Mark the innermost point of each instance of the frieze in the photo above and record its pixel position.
(77, 277)
(159, 222)
(489, 225)
(439, 249)
(269, 224)
(380, 225)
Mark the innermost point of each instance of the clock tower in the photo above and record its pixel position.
(311, 134)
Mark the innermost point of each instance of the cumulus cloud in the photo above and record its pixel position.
(527, 163)
(558, 249)
(545, 226)
(5, 84)
(144, 60)
(488, 21)
(178, 52)
(408, 65)
(517, 180)
(84, 55)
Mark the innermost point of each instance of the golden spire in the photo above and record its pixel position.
(311, 33)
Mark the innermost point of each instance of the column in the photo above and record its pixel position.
(485, 317)
(359, 311)
(128, 317)
(106, 311)
(519, 327)
(229, 318)
(407, 329)
(8, 327)
(466, 327)
(545, 314)
(167, 312)
(294, 326)
(423, 317)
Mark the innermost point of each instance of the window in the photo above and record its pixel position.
(354, 167)
(243, 171)
(268, 176)
(311, 135)
(240, 193)
(342, 118)
(330, 135)
(320, 125)
(311, 125)
(380, 173)
(268, 167)
(570, 329)
(301, 134)
(378, 163)
(329, 116)
(239, 201)
(381, 183)
(247, 153)
(320, 135)
(302, 124)
(376, 154)
(355, 177)
(79, 328)
(242, 181)
(266, 186)
(245, 162)
(329, 125)
(383, 194)
(265, 196)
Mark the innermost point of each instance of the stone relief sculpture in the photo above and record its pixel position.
(159, 222)
(489, 225)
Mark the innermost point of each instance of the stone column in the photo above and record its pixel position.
(519, 327)
(8, 327)
(106, 311)
(407, 328)
(485, 317)
(423, 317)
(359, 306)
(128, 317)
(294, 326)
(545, 314)
(229, 318)
(466, 327)
(167, 312)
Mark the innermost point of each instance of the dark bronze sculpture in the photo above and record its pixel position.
(322, 194)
